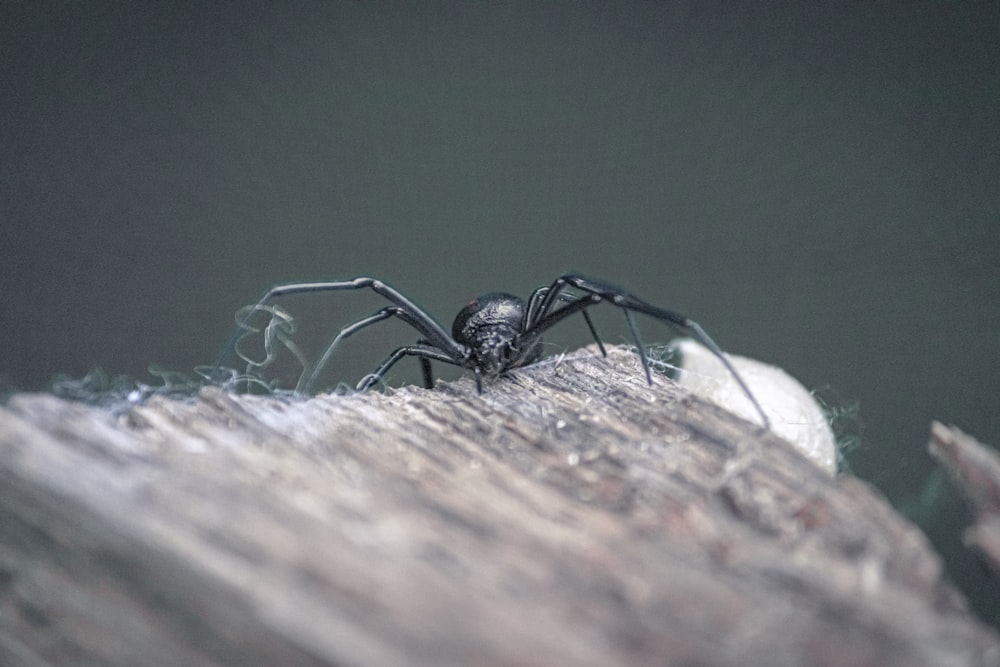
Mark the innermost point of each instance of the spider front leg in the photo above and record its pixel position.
(307, 380)
(306, 385)
(431, 332)
(420, 320)
(427, 353)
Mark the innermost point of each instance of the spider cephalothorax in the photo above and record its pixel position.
(491, 327)
(493, 333)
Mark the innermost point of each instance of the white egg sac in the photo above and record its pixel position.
(794, 413)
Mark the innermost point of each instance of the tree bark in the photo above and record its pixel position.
(569, 515)
(975, 470)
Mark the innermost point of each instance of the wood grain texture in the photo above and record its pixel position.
(974, 469)
(570, 515)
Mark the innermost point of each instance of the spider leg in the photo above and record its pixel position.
(634, 330)
(533, 307)
(416, 317)
(547, 315)
(533, 312)
(306, 384)
(425, 369)
(424, 351)
(593, 332)
(580, 305)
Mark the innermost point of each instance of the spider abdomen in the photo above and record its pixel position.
(491, 326)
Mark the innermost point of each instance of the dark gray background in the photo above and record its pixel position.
(818, 185)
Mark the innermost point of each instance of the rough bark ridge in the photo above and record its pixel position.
(975, 470)
(570, 515)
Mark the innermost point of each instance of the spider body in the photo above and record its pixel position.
(492, 326)
(492, 334)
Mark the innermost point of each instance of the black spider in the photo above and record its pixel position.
(493, 333)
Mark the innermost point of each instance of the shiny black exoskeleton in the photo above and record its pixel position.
(490, 326)
(493, 333)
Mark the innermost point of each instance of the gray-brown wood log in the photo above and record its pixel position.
(974, 469)
(569, 515)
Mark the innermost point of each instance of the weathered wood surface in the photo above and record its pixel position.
(571, 515)
(975, 470)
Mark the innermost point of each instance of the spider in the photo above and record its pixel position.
(492, 334)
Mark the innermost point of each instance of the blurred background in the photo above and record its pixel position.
(818, 185)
